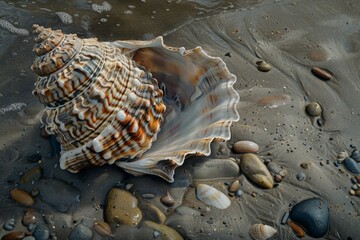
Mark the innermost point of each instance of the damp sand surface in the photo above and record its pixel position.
(291, 36)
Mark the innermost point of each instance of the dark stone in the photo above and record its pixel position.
(355, 155)
(81, 232)
(41, 232)
(313, 215)
(351, 165)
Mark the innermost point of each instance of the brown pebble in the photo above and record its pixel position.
(313, 109)
(167, 200)
(263, 66)
(33, 174)
(245, 147)
(102, 228)
(29, 217)
(322, 73)
(22, 197)
(234, 186)
(283, 173)
(15, 235)
(357, 178)
(299, 232)
(305, 165)
(277, 178)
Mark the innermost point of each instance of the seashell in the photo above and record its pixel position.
(261, 231)
(103, 106)
(211, 196)
(342, 155)
(322, 73)
(313, 109)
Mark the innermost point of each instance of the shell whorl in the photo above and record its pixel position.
(100, 105)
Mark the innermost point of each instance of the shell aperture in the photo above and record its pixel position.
(139, 104)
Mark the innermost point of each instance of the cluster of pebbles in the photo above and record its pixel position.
(128, 206)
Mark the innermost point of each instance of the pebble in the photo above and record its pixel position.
(153, 213)
(58, 194)
(41, 232)
(263, 66)
(22, 197)
(299, 232)
(102, 228)
(245, 147)
(273, 168)
(29, 238)
(121, 207)
(274, 101)
(313, 215)
(34, 158)
(300, 176)
(285, 218)
(355, 155)
(31, 227)
(167, 200)
(214, 168)
(29, 217)
(351, 165)
(14, 235)
(354, 180)
(234, 186)
(81, 232)
(165, 232)
(185, 210)
(9, 224)
(318, 54)
(33, 174)
(238, 193)
(254, 169)
(283, 172)
(306, 165)
(148, 195)
(278, 178)
(313, 109)
(322, 73)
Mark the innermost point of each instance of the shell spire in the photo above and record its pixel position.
(107, 101)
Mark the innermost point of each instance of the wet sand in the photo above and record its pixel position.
(292, 37)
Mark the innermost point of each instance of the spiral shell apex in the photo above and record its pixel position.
(136, 103)
(261, 231)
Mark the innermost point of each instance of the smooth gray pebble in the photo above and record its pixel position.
(41, 232)
(81, 232)
(300, 176)
(9, 224)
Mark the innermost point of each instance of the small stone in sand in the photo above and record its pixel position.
(300, 176)
(102, 228)
(323, 74)
(22, 197)
(164, 232)
(313, 109)
(263, 66)
(41, 232)
(167, 200)
(305, 165)
(14, 235)
(234, 186)
(81, 232)
(245, 147)
(9, 224)
(33, 174)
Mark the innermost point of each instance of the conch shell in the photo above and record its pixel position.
(140, 104)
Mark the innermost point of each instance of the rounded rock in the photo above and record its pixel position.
(102, 228)
(300, 176)
(9, 224)
(214, 168)
(41, 232)
(313, 109)
(254, 169)
(164, 232)
(167, 200)
(355, 154)
(278, 178)
(234, 186)
(322, 73)
(121, 207)
(351, 165)
(305, 165)
(313, 215)
(245, 147)
(299, 232)
(263, 66)
(238, 193)
(273, 168)
(153, 213)
(33, 174)
(81, 232)
(29, 217)
(14, 235)
(22, 197)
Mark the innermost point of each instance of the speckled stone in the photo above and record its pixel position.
(121, 207)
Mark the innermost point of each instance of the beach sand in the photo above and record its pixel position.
(293, 37)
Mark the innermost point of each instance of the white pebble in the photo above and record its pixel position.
(245, 147)
(65, 17)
